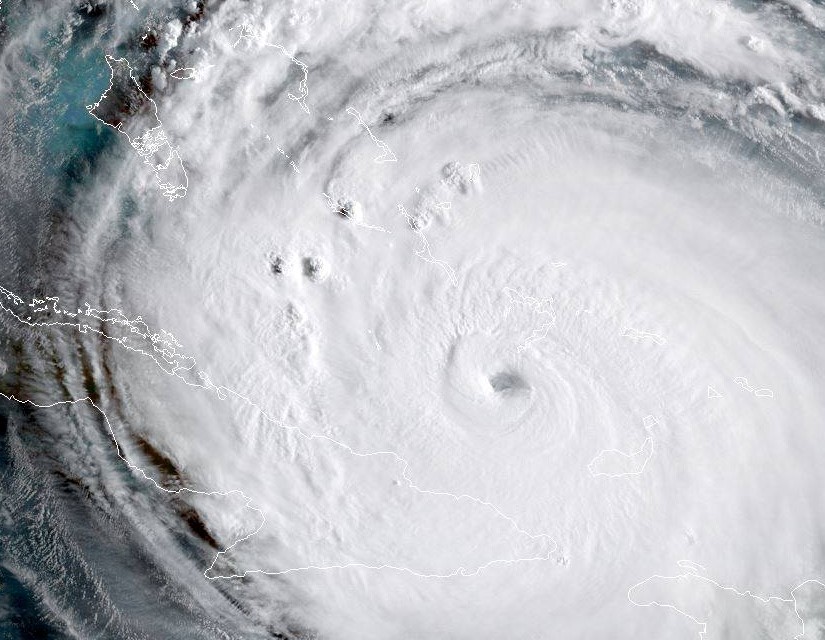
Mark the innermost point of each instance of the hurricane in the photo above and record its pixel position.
(421, 319)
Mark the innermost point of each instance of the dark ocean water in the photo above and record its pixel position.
(52, 147)
(21, 615)
(58, 137)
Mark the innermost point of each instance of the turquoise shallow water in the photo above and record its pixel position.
(73, 139)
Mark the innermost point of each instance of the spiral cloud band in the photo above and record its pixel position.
(408, 320)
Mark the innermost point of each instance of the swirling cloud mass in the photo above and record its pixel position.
(420, 319)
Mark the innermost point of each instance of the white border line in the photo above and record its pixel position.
(692, 573)
(169, 355)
